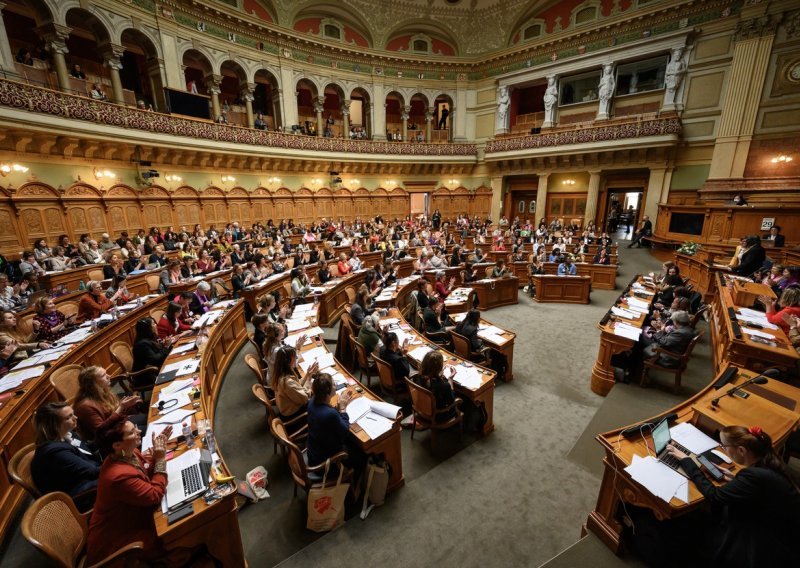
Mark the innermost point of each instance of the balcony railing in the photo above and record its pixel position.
(55, 103)
(580, 134)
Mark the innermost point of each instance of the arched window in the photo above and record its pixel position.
(521, 208)
(331, 29)
(420, 44)
(585, 15)
(532, 31)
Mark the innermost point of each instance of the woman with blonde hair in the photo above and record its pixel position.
(27, 341)
(53, 324)
(95, 403)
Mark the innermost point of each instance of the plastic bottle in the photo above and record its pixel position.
(82, 286)
(188, 435)
(211, 442)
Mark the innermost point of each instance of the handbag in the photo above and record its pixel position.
(326, 504)
(378, 473)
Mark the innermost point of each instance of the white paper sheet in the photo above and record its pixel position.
(325, 361)
(186, 347)
(492, 337)
(185, 367)
(467, 377)
(691, 438)
(627, 331)
(661, 480)
(375, 425)
(624, 313)
(419, 353)
(24, 374)
(757, 333)
(293, 325)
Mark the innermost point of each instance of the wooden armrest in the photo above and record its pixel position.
(663, 351)
(296, 419)
(123, 381)
(334, 459)
(124, 551)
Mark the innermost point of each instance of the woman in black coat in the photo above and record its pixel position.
(148, 350)
(758, 508)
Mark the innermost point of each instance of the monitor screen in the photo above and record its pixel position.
(661, 436)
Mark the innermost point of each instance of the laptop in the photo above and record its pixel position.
(186, 478)
(661, 437)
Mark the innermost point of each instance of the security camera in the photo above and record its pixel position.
(150, 174)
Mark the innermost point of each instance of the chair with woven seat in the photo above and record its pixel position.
(254, 365)
(351, 294)
(389, 384)
(96, 274)
(19, 469)
(463, 348)
(363, 361)
(683, 362)
(423, 405)
(305, 476)
(221, 291)
(697, 316)
(68, 308)
(488, 271)
(65, 381)
(266, 398)
(54, 525)
(123, 356)
(153, 283)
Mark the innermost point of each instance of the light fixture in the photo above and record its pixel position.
(6, 168)
(390, 183)
(228, 179)
(782, 159)
(103, 174)
(568, 182)
(453, 183)
(172, 177)
(274, 182)
(354, 183)
(316, 183)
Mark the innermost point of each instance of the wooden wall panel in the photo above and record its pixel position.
(10, 235)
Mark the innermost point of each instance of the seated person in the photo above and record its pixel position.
(343, 266)
(148, 351)
(395, 355)
(431, 377)
(53, 324)
(96, 403)
(29, 264)
(291, 393)
(300, 285)
(361, 307)
(27, 342)
(170, 327)
(675, 340)
(468, 327)
(567, 267)
(59, 262)
(201, 299)
(775, 236)
(323, 274)
(789, 304)
(114, 268)
(500, 270)
(170, 276)
(94, 302)
(369, 335)
(555, 255)
(62, 461)
(240, 280)
(601, 257)
(433, 316)
(441, 288)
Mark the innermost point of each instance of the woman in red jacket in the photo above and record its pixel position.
(171, 325)
(790, 304)
(129, 491)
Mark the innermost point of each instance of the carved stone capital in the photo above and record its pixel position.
(757, 27)
(213, 83)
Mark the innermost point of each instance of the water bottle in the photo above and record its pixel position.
(82, 286)
(211, 443)
(188, 435)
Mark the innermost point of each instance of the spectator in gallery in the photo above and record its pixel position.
(76, 72)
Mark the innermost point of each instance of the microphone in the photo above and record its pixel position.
(757, 380)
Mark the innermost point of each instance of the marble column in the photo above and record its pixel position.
(541, 197)
(55, 37)
(318, 108)
(247, 95)
(657, 192)
(429, 124)
(277, 110)
(6, 55)
(213, 85)
(155, 72)
(112, 55)
(404, 117)
(591, 198)
(346, 119)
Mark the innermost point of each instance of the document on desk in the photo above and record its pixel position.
(303, 309)
(224, 304)
(185, 367)
(24, 374)
(156, 428)
(492, 336)
(297, 324)
(691, 438)
(185, 348)
(419, 353)
(325, 361)
(658, 478)
(176, 385)
(627, 314)
(173, 400)
(42, 357)
(467, 377)
(627, 331)
(389, 321)
(375, 417)
(762, 321)
(76, 336)
(757, 333)
(293, 340)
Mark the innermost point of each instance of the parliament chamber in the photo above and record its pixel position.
(404, 272)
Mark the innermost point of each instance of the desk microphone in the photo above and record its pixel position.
(757, 380)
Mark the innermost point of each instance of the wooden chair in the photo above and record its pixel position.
(25, 324)
(96, 274)
(255, 365)
(266, 398)
(463, 348)
(652, 364)
(68, 308)
(488, 271)
(363, 361)
(55, 526)
(438, 337)
(153, 282)
(123, 356)
(19, 469)
(351, 294)
(157, 314)
(697, 316)
(220, 290)
(333, 269)
(65, 381)
(257, 347)
(389, 384)
(423, 405)
(305, 476)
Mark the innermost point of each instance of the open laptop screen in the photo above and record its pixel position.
(661, 437)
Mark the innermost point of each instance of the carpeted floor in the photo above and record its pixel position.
(515, 498)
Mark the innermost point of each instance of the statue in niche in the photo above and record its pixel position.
(673, 76)
(503, 102)
(606, 90)
(550, 100)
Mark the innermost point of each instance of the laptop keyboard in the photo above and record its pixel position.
(191, 480)
(670, 460)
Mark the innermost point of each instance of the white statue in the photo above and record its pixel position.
(676, 69)
(606, 90)
(550, 99)
(503, 102)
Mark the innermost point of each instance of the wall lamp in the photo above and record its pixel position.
(782, 159)
(228, 179)
(103, 174)
(172, 178)
(6, 168)
(568, 182)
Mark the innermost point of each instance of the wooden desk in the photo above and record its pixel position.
(70, 278)
(495, 292)
(397, 294)
(389, 444)
(455, 272)
(482, 396)
(505, 347)
(774, 406)
(333, 300)
(729, 344)
(215, 525)
(612, 344)
(16, 410)
(253, 293)
(563, 289)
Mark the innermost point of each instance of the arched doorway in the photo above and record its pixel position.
(418, 109)
(196, 101)
(395, 111)
(141, 69)
(92, 59)
(266, 99)
(360, 114)
(336, 119)
(308, 104)
(235, 95)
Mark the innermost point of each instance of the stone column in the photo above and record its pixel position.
(377, 118)
(591, 197)
(541, 197)
(404, 117)
(346, 119)
(318, 108)
(277, 110)
(429, 124)
(111, 59)
(213, 84)
(497, 198)
(55, 37)
(156, 75)
(247, 95)
(754, 36)
(657, 192)
(452, 118)
(367, 114)
(6, 55)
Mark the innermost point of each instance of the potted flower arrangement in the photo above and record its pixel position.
(689, 248)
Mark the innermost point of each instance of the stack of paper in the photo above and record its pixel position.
(76, 336)
(493, 335)
(628, 331)
(757, 333)
(15, 378)
(207, 318)
(419, 353)
(293, 340)
(186, 367)
(303, 309)
(224, 304)
(623, 313)
(43, 357)
(375, 417)
(297, 324)
(467, 377)
(661, 480)
(185, 348)
(691, 438)
(324, 358)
